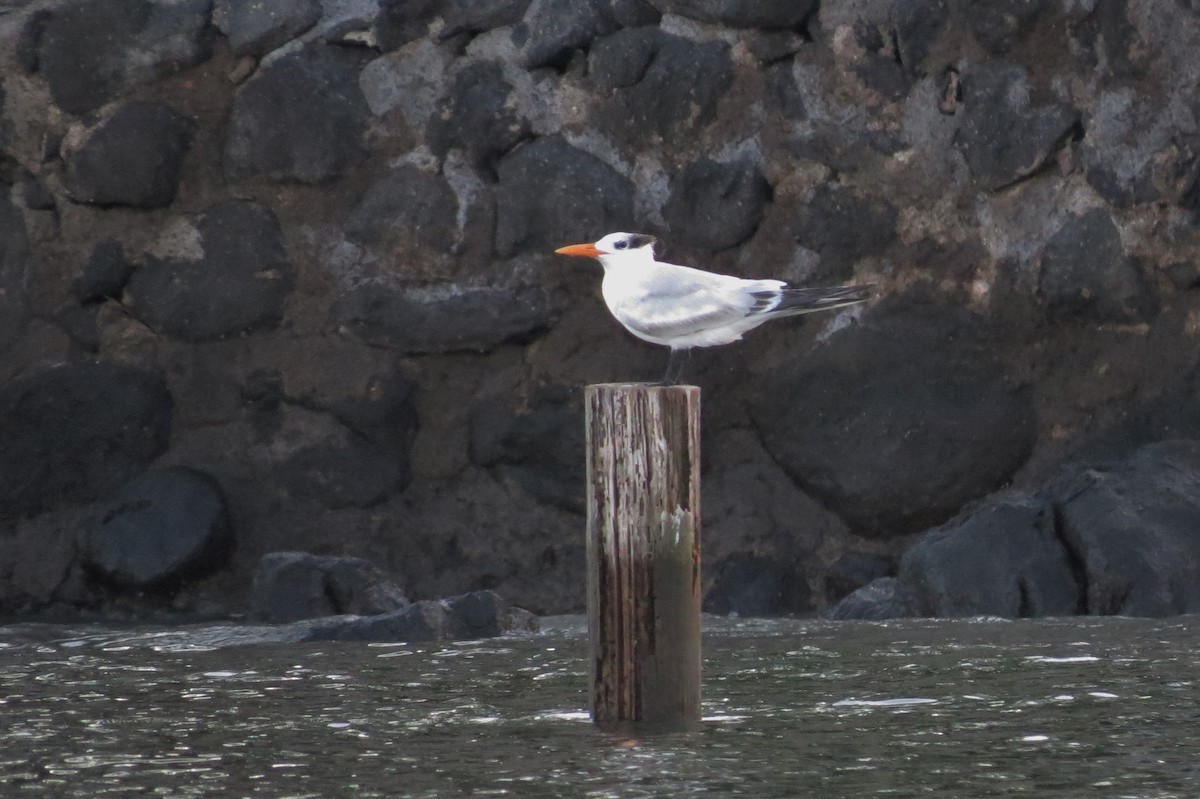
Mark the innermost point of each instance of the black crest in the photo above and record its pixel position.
(637, 240)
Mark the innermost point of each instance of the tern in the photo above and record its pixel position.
(682, 307)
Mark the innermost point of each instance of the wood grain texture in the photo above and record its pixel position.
(643, 548)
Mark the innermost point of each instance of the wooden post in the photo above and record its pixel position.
(643, 553)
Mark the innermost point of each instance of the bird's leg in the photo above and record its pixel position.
(671, 361)
(675, 366)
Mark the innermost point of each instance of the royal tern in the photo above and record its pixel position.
(681, 307)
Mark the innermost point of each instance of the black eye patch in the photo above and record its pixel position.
(640, 239)
(621, 245)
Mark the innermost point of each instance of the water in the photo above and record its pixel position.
(1089, 708)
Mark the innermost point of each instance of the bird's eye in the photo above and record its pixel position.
(621, 245)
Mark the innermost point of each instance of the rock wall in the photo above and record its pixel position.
(297, 257)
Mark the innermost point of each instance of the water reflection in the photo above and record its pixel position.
(968, 708)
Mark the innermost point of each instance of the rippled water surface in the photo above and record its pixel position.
(917, 708)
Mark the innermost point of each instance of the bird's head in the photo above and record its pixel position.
(612, 244)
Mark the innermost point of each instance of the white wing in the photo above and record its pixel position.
(667, 302)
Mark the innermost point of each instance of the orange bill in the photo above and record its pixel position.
(585, 250)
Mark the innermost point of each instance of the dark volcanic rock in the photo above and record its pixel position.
(840, 225)
(551, 194)
(553, 29)
(676, 94)
(91, 52)
(351, 472)
(1134, 528)
(1004, 136)
(621, 59)
(289, 586)
(444, 318)
(74, 433)
(402, 21)
(878, 599)
(753, 585)
(1001, 558)
(232, 276)
(854, 570)
(407, 211)
(302, 118)
(14, 256)
(896, 450)
(165, 527)
(255, 27)
(422, 621)
(480, 614)
(130, 157)
(538, 448)
(715, 206)
(1085, 272)
(474, 16)
(104, 274)
(1135, 151)
(477, 116)
(742, 13)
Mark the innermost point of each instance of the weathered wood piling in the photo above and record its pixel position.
(643, 551)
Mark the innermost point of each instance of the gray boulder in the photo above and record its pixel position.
(226, 273)
(480, 614)
(894, 451)
(93, 51)
(289, 586)
(254, 27)
(444, 318)
(1134, 528)
(551, 194)
(77, 432)
(164, 528)
(302, 118)
(131, 157)
(770, 14)
(1005, 135)
(1002, 558)
(1086, 273)
(714, 206)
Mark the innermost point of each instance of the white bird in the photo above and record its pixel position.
(681, 307)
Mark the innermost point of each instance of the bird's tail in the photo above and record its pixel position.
(797, 301)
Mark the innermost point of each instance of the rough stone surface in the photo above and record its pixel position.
(767, 14)
(232, 275)
(875, 601)
(896, 450)
(478, 117)
(676, 93)
(480, 614)
(104, 274)
(77, 432)
(1086, 273)
(289, 586)
(752, 585)
(1003, 559)
(715, 206)
(130, 157)
(255, 28)
(163, 528)
(1135, 530)
(14, 256)
(347, 472)
(91, 52)
(538, 448)
(551, 193)
(553, 29)
(406, 211)
(302, 118)
(1004, 135)
(444, 318)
